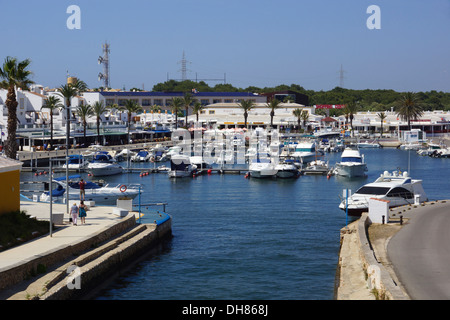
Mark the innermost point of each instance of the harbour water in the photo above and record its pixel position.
(237, 238)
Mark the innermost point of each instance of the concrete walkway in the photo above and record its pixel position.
(98, 219)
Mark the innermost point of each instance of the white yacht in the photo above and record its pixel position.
(262, 168)
(141, 156)
(181, 166)
(104, 195)
(398, 189)
(103, 165)
(305, 151)
(352, 163)
(287, 170)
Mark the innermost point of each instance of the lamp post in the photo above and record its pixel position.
(67, 154)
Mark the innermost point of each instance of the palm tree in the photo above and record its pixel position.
(84, 111)
(273, 105)
(305, 117)
(246, 105)
(175, 106)
(52, 103)
(14, 74)
(408, 108)
(382, 116)
(298, 114)
(68, 91)
(350, 109)
(98, 109)
(130, 107)
(187, 101)
(197, 108)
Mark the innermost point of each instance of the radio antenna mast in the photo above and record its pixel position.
(105, 61)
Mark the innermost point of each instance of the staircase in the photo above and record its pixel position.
(80, 275)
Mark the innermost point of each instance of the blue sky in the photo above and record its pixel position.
(261, 43)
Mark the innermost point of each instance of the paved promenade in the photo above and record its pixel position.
(420, 254)
(98, 219)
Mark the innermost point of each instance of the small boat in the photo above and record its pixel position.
(262, 168)
(124, 155)
(317, 167)
(368, 144)
(75, 163)
(287, 170)
(141, 156)
(305, 151)
(352, 163)
(200, 162)
(104, 195)
(103, 165)
(398, 189)
(180, 166)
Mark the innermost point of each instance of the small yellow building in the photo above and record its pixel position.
(9, 185)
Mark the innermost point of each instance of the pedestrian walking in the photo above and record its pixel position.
(74, 214)
(82, 212)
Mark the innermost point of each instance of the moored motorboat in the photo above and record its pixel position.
(287, 170)
(105, 195)
(352, 163)
(180, 166)
(398, 189)
(103, 165)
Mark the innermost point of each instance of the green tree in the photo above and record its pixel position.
(273, 105)
(197, 108)
(409, 108)
(130, 107)
(84, 111)
(382, 116)
(69, 91)
(14, 74)
(175, 106)
(98, 109)
(246, 105)
(350, 109)
(298, 114)
(187, 101)
(52, 103)
(305, 117)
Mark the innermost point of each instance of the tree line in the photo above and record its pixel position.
(367, 99)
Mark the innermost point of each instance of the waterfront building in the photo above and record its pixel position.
(230, 115)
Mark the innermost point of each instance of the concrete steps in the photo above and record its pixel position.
(79, 275)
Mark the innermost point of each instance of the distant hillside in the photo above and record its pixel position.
(374, 100)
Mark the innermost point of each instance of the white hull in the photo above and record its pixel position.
(262, 170)
(105, 195)
(104, 169)
(351, 169)
(398, 190)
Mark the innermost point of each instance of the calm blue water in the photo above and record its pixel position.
(237, 238)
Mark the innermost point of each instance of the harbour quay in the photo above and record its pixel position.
(366, 268)
(72, 261)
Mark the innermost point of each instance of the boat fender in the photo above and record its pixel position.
(123, 188)
(209, 171)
